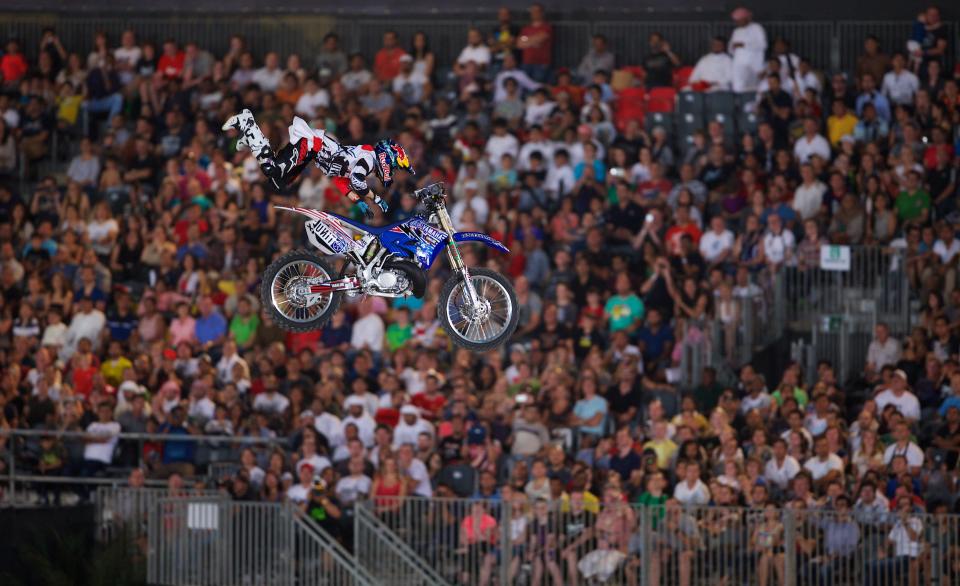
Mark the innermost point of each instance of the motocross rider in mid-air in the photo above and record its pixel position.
(348, 165)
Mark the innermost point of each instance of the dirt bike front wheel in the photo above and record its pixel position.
(484, 327)
(282, 292)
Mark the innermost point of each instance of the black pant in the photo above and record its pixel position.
(284, 166)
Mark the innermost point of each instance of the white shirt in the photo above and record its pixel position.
(202, 409)
(350, 488)
(520, 76)
(748, 59)
(308, 104)
(225, 367)
(907, 403)
(479, 205)
(537, 113)
(779, 247)
(715, 69)
(271, 402)
(911, 452)
(902, 544)
(365, 427)
(102, 451)
(699, 494)
(83, 325)
(560, 180)
(127, 55)
(880, 355)
(761, 401)
(544, 147)
(818, 468)
(408, 434)
(808, 199)
(319, 463)
(298, 494)
(268, 80)
(782, 474)
(712, 244)
(497, 146)
(330, 426)
(368, 331)
(418, 472)
(807, 147)
(479, 55)
(409, 86)
(945, 252)
(900, 87)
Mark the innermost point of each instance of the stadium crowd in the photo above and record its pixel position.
(129, 281)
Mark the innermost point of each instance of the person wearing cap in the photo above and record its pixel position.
(899, 396)
(748, 44)
(410, 427)
(300, 492)
(410, 86)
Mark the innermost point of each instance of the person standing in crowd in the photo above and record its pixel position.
(748, 43)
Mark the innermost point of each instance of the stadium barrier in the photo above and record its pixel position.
(225, 543)
(568, 541)
(124, 511)
(21, 477)
(385, 555)
(829, 45)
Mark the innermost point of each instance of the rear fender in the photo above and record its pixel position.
(480, 237)
(326, 231)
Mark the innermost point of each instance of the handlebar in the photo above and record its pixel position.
(433, 193)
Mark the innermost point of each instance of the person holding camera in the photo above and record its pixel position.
(323, 508)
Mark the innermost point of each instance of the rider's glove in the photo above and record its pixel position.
(381, 202)
(365, 209)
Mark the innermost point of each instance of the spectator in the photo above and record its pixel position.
(269, 76)
(748, 43)
(900, 85)
(386, 65)
(872, 60)
(659, 62)
(536, 44)
(811, 143)
(475, 52)
(870, 95)
(714, 71)
(331, 58)
(171, 62)
(13, 65)
(598, 58)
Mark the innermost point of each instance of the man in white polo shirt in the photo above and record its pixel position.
(691, 490)
(900, 84)
(101, 441)
(824, 466)
(811, 143)
(782, 467)
(898, 395)
(717, 243)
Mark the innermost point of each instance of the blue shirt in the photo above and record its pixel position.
(176, 451)
(654, 341)
(587, 408)
(211, 327)
(952, 401)
(879, 101)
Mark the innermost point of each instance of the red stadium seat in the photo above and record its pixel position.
(681, 77)
(631, 105)
(662, 99)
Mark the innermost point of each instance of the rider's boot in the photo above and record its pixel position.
(251, 137)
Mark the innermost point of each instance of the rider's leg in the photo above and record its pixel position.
(281, 167)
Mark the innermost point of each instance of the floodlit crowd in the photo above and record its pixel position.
(129, 276)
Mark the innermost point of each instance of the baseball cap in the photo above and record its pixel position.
(899, 372)
(476, 435)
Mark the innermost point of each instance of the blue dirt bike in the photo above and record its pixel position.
(477, 306)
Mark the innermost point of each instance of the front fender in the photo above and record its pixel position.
(480, 237)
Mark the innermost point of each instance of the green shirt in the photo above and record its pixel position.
(398, 335)
(799, 394)
(648, 500)
(243, 329)
(623, 311)
(910, 206)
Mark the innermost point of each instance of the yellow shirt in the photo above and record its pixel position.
(837, 128)
(664, 448)
(591, 503)
(69, 108)
(112, 370)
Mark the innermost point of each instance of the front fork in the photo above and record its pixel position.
(453, 254)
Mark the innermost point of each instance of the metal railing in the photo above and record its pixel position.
(23, 448)
(573, 541)
(386, 556)
(225, 543)
(831, 45)
(125, 511)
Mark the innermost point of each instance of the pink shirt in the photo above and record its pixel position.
(183, 330)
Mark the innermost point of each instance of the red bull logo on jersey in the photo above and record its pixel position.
(385, 168)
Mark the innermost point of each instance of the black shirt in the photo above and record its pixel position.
(620, 402)
(659, 69)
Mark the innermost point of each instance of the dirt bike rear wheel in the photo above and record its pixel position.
(288, 309)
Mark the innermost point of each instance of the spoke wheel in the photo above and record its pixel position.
(483, 326)
(285, 291)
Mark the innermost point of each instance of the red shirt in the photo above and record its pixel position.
(13, 67)
(429, 406)
(83, 380)
(539, 55)
(386, 65)
(171, 67)
(675, 233)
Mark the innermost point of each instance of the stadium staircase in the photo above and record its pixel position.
(386, 556)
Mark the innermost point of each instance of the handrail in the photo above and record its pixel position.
(341, 556)
(364, 518)
(156, 437)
